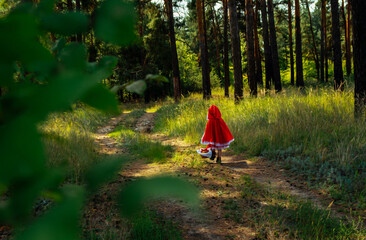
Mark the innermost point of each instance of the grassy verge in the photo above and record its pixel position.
(276, 216)
(148, 225)
(312, 134)
(69, 142)
(137, 144)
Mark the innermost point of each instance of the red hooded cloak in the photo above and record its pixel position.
(217, 134)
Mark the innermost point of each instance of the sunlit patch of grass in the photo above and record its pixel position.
(141, 146)
(69, 141)
(188, 158)
(312, 132)
(130, 120)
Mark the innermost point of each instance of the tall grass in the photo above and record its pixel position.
(69, 141)
(312, 133)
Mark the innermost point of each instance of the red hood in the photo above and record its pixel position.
(214, 112)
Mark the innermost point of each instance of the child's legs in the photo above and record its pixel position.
(219, 153)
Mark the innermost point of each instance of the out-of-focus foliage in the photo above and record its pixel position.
(37, 79)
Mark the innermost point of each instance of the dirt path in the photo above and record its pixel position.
(219, 186)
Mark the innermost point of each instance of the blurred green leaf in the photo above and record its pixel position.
(108, 63)
(137, 193)
(115, 22)
(6, 73)
(20, 41)
(73, 56)
(103, 172)
(156, 77)
(58, 45)
(65, 23)
(20, 163)
(138, 87)
(45, 6)
(105, 101)
(60, 223)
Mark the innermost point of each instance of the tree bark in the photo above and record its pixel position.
(322, 39)
(236, 51)
(217, 43)
(299, 66)
(175, 63)
(203, 47)
(226, 50)
(257, 53)
(250, 47)
(359, 54)
(337, 52)
(348, 40)
(290, 42)
(273, 39)
(267, 48)
(315, 50)
(79, 36)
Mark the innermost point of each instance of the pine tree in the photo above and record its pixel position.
(267, 48)
(299, 66)
(203, 46)
(175, 63)
(359, 54)
(250, 47)
(289, 3)
(236, 51)
(273, 39)
(337, 51)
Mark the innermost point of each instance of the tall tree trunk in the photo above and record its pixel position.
(207, 62)
(326, 43)
(267, 48)
(226, 51)
(344, 26)
(299, 67)
(348, 40)
(70, 8)
(289, 3)
(140, 27)
(175, 63)
(337, 51)
(250, 47)
(236, 51)
(322, 39)
(359, 54)
(92, 49)
(315, 50)
(273, 39)
(257, 53)
(203, 47)
(79, 36)
(217, 43)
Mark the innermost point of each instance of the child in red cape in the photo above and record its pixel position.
(217, 135)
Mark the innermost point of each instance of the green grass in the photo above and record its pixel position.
(313, 134)
(277, 215)
(69, 142)
(148, 225)
(138, 144)
(302, 220)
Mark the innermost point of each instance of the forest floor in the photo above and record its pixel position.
(244, 198)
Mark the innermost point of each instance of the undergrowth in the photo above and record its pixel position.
(69, 142)
(311, 133)
(276, 215)
(139, 144)
(148, 225)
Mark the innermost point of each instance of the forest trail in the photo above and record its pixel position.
(221, 187)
